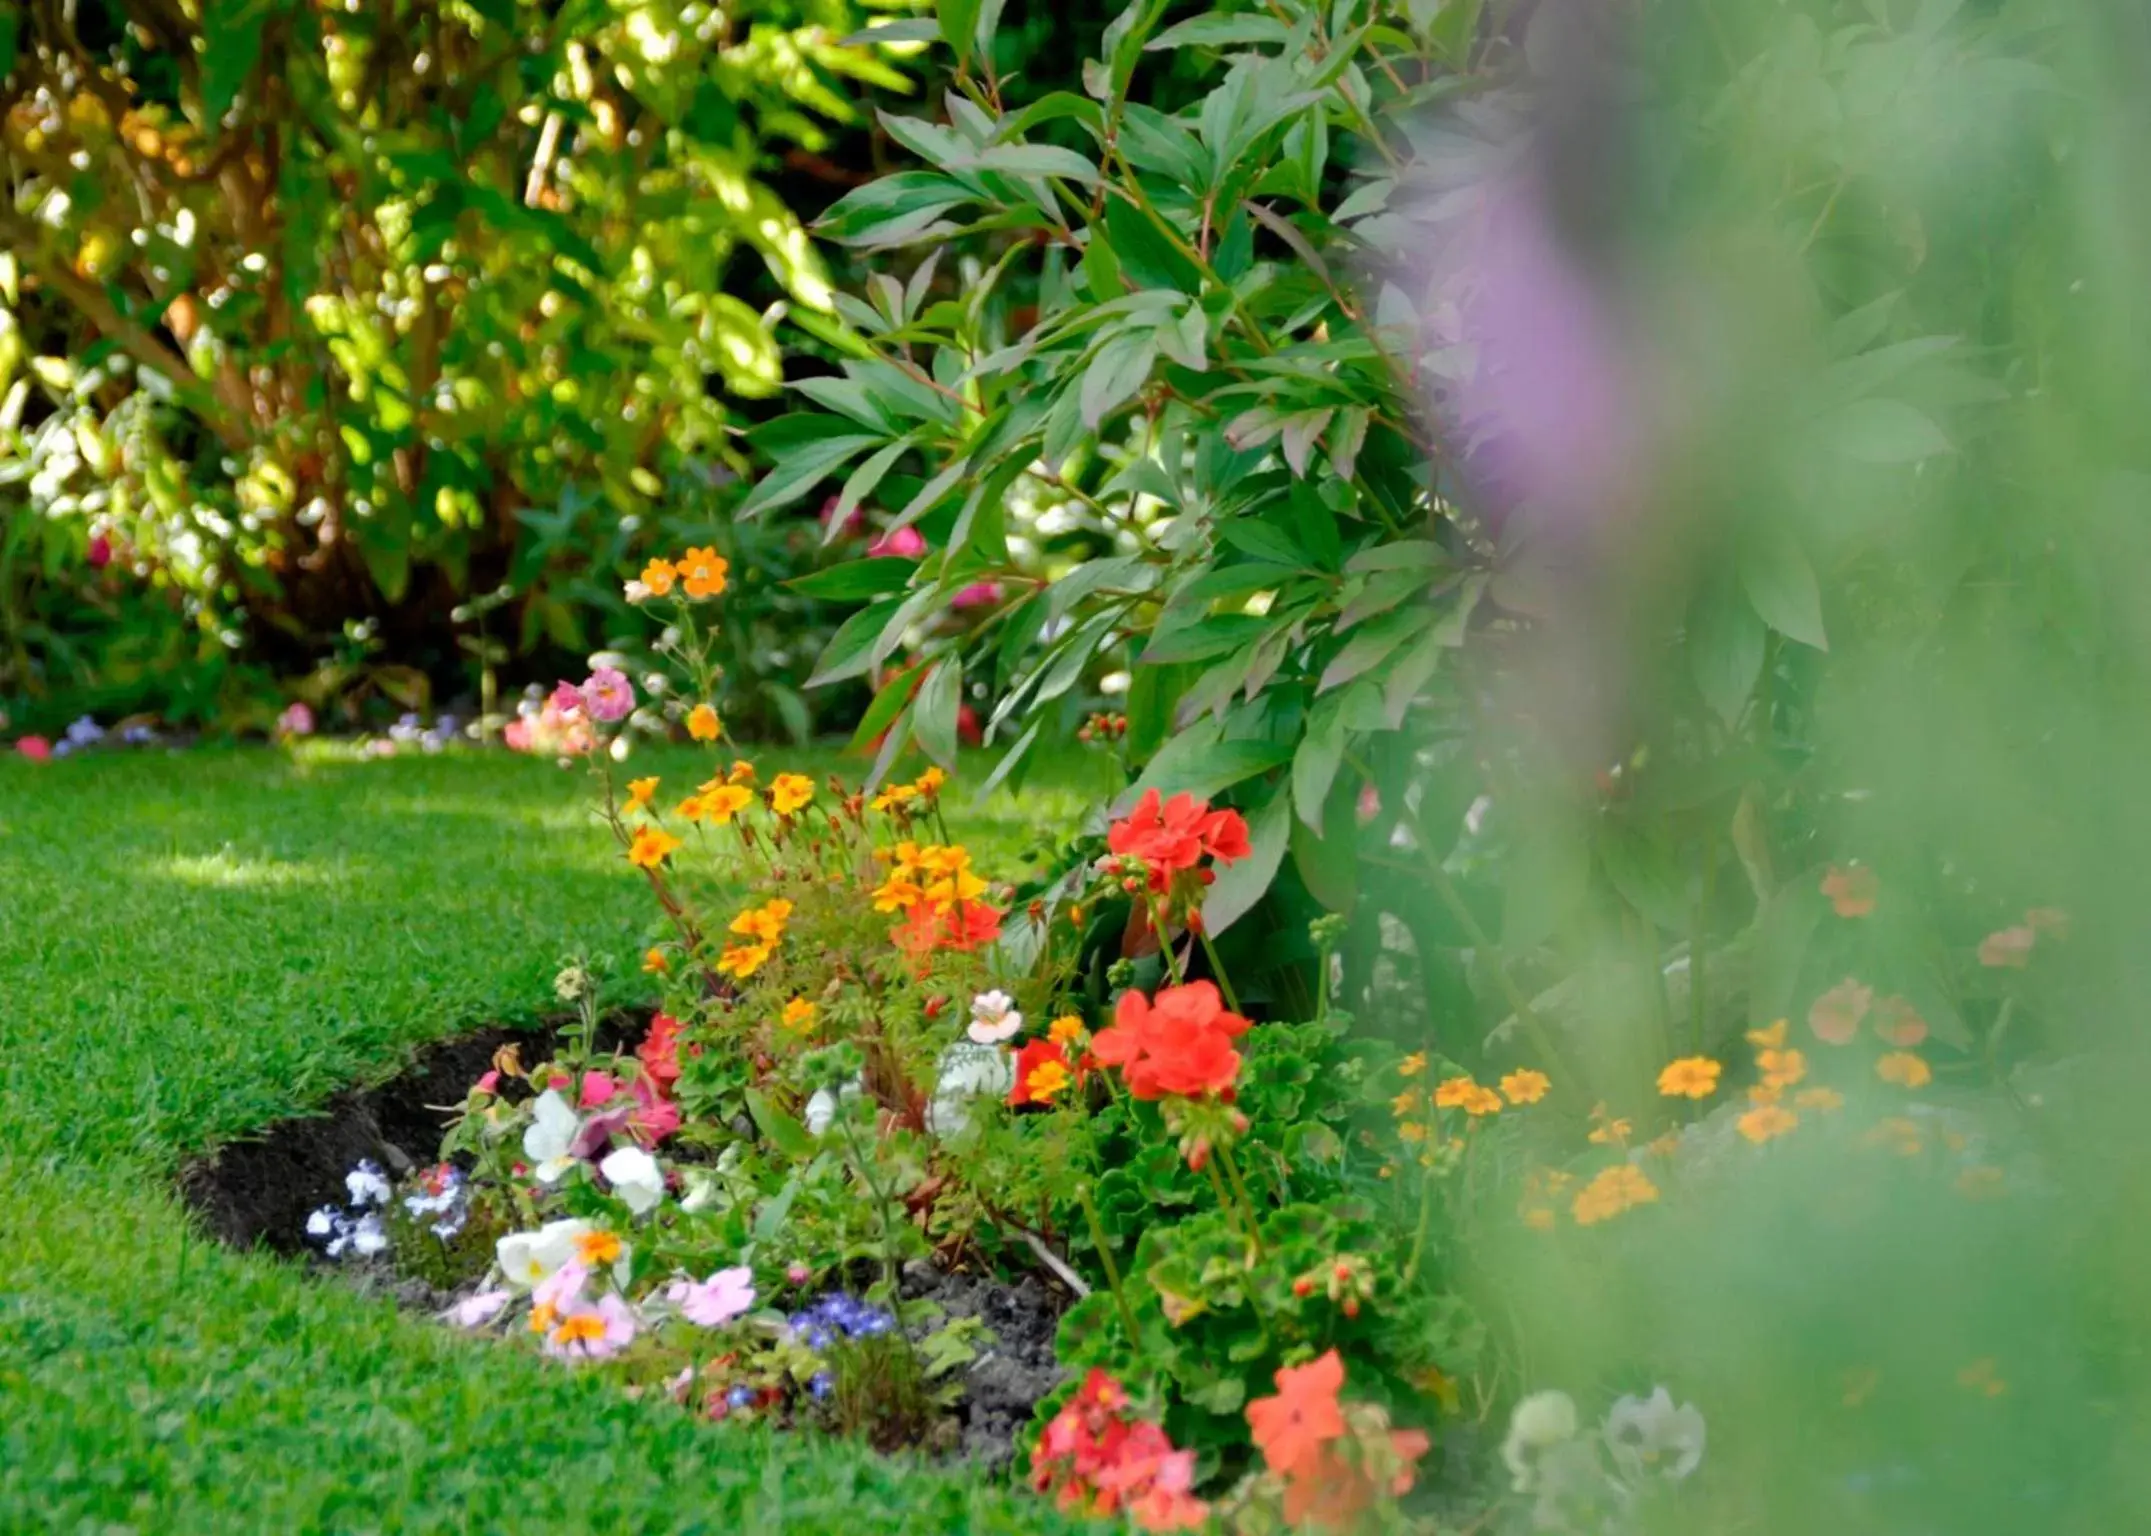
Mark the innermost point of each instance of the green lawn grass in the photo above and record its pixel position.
(193, 946)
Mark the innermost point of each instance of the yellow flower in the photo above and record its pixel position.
(1663, 1146)
(892, 797)
(742, 772)
(1607, 1131)
(702, 572)
(1692, 1077)
(651, 847)
(958, 887)
(764, 924)
(1404, 1103)
(654, 961)
(1482, 1101)
(1412, 1065)
(1454, 1092)
(1770, 1039)
(721, 802)
(1612, 1191)
(702, 723)
(1526, 1086)
(1904, 1069)
(1065, 1030)
(659, 575)
(1780, 1069)
(897, 894)
(1766, 1122)
(789, 791)
(1411, 1130)
(743, 960)
(1045, 1080)
(638, 794)
(941, 859)
(597, 1247)
(930, 781)
(799, 1014)
(1824, 1099)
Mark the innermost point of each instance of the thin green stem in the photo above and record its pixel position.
(1445, 888)
(1217, 967)
(1112, 1266)
(1247, 1201)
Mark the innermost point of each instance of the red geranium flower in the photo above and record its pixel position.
(967, 925)
(660, 1050)
(1175, 835)
(1179, 1043)
(1292, 1427)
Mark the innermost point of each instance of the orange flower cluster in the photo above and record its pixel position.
(1466, 1094)
(899, 796)
(1302, 1433)
(1611, 1191)
(761, 930)
(1179, 1043)
(699, 573)
(1095, 1457)
(935, 887)
(1043, 1072)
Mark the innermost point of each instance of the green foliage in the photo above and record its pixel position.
(320, 315)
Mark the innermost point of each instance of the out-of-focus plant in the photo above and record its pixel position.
(312, 315)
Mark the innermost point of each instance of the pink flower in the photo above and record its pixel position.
(905, 542)
(597, 1088)
(476, 1311)
(566, 700)
(852, 523)
(563, 1288)
(656, 1116)
(490, 1083)
(979, 594)
(593, 1333)
(2009, 947)
(296, 720)
(36, 748)
(515, 735)
(100, 550)
(609, 694)
(717, 1300)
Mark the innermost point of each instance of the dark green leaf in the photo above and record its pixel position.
(856, 579)
(1240, 885)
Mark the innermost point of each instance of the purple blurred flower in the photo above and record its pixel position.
(608, 695)
(717, 1300)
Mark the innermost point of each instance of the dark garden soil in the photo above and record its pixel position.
(258, 1193)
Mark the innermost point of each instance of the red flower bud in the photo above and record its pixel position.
(1303, 1286)
(1199, 1154)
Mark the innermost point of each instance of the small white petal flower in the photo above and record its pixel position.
(1651, 1435)
(367, 1185)
(526, 1258)
(476, 1311)
(552, 1132)
(1540, 1420)
(322, 1222)
(994, 1018)
(635, 1178)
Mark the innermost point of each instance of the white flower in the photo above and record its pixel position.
(701, 1192)
(967, 1071)
(636, 592)
(551, 1133)
(822, 1108)
(994, 1018)
(322, 1222)
(363, 1237)
(635, 1178)
(1540, 1420)
(1651, 1435)
(367, 1184)
(526, 1258)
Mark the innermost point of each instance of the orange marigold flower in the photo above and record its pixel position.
(1899, 1023)
(1766, 1122)
(1041, 1072)
(1612, 1191)
(1836, 1015)
(1691, 1077)
(1852, 891)
(1412, 1065)
(897, 894)
(1781, 1069)
(703, 724)
(1412, 1130)
(1823, 1099)
(651, 847)
(1065, 1030)
(702, 572)
(638, 795)
(789, 791)
(721, 802)
(799, 1014)
(654, 961)
(1481, 1101)
(659, 576)
(1404, 1103)
(597, 1247)
(1768, 1039)
(1526, 1085)
(741, 772)
(1905, 1069)
(743, 960)
(1608, 1131)
(930, 781)
(892, 797)
(1454, 1092)
(1291, 1428)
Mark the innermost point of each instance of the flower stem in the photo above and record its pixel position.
(1247, 1201)
(1112, 1266)
(1217, 966)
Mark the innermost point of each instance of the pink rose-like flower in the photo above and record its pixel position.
(297, 719)
(593, 1333)
(476, 1311)
(979, 594)
(566, 700)
(608, 694)
(563, 1288)
(515, 735)
(905, 542)
(36, 748)
(723, 1296)
(598, 1087)
(490, 1083)
(656, 1116)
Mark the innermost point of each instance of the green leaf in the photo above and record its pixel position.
(1033, 160)
(1882, 432)
(1199, 763)
(892, 208)
(882, 713)
(1240, 885)
(856, 579)
(1783, 930)
(1117, 371)
(1642, 868)
(1215, 31)
(1725, 647)
(933, 723)
(231, 30)
(1010, 761)
(959, 26)
(851, 649)
(784, 1133)
(1781, 585)
(1314, 765)
(860, 484)
(1372, 645)
(800, 470)
(1145, 252)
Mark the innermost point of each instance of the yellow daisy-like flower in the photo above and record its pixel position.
(741, 772)
(693, 808)
(597, 1247)
(1780, 1069)
(897, 894)
(1412, 1130)
(958, 887)
(721, 802)
(638, 795)
(651, 847)
(1766, 1122)
(1481, 1101)
(1606, 1130)
(702, 572)
(1612, 1191)
(1905, 1069)
(1526, 1085)
(1823, 1099)
(1412, 1065)
(1065, 1030)
(930, 781)
(654, 961)
(892, 797)
(1692, 1077)
(1045, 1080)
(764, 924)
(789, 791)
(799, 1014)
(703, 724)
(743, 960)
(659, 575)
(1770, 1039)
(1404, 1103)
